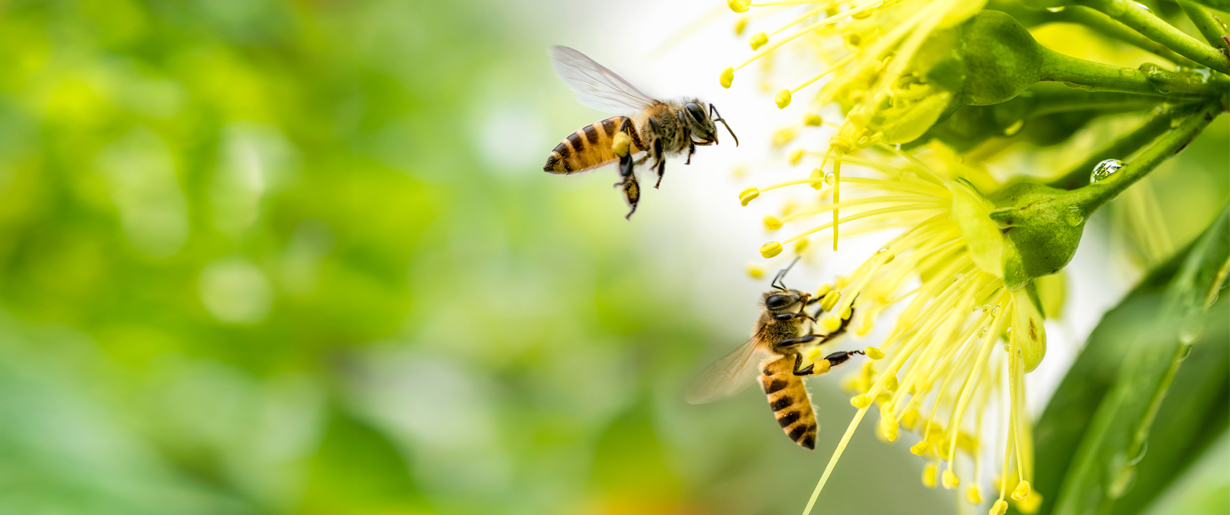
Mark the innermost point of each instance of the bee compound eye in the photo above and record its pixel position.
(697, 113)
(777, 301)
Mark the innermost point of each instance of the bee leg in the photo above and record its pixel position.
(791, 342)
(691, 150)
(658, 160)
(840, 357)
(632, 193)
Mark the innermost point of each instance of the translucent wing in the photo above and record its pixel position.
(726, 377)
(596, 86)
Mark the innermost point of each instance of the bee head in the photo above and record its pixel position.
(704, 124)
(782, 300)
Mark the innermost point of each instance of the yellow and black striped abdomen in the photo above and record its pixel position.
(789, 401)
(588, 148)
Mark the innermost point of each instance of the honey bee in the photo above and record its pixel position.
(783, 327)
(654, 129)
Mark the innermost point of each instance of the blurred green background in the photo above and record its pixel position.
(298, 257)
(260, 257)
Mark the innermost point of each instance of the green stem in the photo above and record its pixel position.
(1051, 98)
(1107, 26)
(1126, 145)
(1139, 17)
(1220, 5)
(1094, 195)
(1213, 29)
(1150, 80)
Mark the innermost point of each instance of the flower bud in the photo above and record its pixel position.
(1041, 226)
(1002, 59)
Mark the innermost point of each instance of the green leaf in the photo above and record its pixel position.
(1093, 435)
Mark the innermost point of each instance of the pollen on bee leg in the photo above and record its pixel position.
(621, 144)
(755, 270)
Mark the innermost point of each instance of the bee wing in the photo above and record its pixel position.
(596, 86)
(727, 376)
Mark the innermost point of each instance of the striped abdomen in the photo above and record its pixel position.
(589, 147)
(789, 400)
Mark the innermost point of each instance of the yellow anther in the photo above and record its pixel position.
(783, 137)
(740, 26)
(748, 195)
(863, 15)
(943, 446)
(851, 38)
(756, 270)
(973, 496)
(739, 6)
(772, 223)
(1000, 508)
(920, 448)
(782, 98)
(799, 245)
(888, 427)
(621, 144)
(863, 326)
(823, 290)
(951, 480)
(883, 397)
(840, 282)
(891, 384)
(728, 76)
(874, 353)
(831, 324)
(770, 249)
(1030, 504)
(830, 300)
(860, 401)
(928, 478)
(738, 172)
(847, 313)
(910, 419)
(841, 144)
(758, 40)
(1021, 491)
(813, 120)
(796, 156)
(859, 117)
(967, 442)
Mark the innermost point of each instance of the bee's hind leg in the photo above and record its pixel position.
(630, 187)
(834, 359)
(660, 161)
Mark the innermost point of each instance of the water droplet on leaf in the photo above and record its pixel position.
(1075, 216)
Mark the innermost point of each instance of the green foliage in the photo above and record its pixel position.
(1093, 439)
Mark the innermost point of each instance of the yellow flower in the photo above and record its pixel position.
(961, 341)
(890, 66)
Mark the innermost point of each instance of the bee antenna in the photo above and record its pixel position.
(781, 274)
(713, 111)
